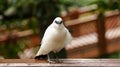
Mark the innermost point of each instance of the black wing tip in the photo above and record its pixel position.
(41, 57)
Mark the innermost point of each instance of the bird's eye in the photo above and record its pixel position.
(56, 22)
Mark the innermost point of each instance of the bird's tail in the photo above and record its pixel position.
(40, 55)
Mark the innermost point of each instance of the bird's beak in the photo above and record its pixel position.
(61, 22)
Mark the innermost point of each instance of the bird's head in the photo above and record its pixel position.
(58, 20)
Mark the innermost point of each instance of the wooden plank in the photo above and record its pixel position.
(65, 62)
(86, 25)
(91, 50)
(89, 18)
(22, 61)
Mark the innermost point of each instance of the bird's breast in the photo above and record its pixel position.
(59, 36)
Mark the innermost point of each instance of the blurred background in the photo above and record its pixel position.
(94, 25)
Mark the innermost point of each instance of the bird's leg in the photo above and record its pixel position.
(50, 60)
(51, 57)
(48, 57)
(57, 58)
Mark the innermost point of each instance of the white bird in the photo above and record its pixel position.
(55, 38)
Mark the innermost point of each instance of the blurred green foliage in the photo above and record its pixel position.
(115, 55)
(37, 13)
(11, 49)
(27, 14)
(104, 5)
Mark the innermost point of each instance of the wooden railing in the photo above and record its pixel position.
(85, 43)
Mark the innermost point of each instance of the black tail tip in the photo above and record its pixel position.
(41, 57)
(36, 57)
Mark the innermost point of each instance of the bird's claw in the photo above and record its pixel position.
(54, 61)
(51, 61)
(59, 61)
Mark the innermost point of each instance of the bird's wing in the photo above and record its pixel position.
(68, 37)
(47, 41)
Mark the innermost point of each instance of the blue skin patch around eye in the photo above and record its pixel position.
(58, 22)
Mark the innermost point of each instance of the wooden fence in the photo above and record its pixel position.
(84, 31)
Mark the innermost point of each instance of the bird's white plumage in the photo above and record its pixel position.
(55, 38)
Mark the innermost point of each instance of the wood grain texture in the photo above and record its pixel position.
(65, 62)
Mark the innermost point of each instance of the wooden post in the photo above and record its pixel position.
(100, 25)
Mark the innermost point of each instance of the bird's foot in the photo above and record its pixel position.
(52, 61)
